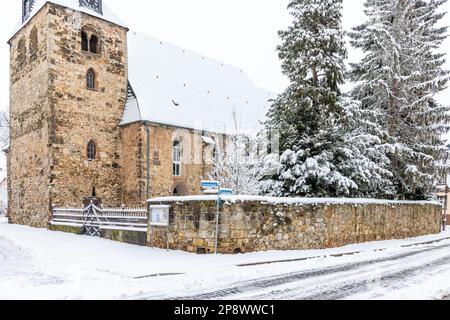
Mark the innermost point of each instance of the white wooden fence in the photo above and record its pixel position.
(126, 219)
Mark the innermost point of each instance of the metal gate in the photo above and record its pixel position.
(92, 222)
(93, 219)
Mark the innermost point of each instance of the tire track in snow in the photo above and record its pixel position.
(274, 281)
(389, 280)
(315, 287)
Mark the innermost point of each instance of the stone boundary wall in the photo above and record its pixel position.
(250, 224)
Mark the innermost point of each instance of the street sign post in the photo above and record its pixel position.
(214, 187)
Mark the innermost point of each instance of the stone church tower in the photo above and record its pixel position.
(68, 88)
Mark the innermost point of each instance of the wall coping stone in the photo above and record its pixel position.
(288, 201)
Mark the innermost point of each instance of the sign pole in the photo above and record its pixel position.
(216, 245)
(168, 231)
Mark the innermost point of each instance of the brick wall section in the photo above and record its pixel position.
(248, 226)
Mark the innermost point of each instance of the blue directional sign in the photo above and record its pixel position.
(226, 192)
(210, 184)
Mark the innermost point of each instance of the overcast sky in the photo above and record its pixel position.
(239, 32)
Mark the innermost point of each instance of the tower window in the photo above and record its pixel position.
(176, 157)
(95, 5)
(91, 151)
(84, 41)
(93, 44)
(90, 79)
(90, 40)
(21, 52)
(33, 41)
(27, 6)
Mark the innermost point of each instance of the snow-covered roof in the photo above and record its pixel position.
(106, 14)
(178, 87)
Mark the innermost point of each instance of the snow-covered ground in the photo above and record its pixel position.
(39, 264)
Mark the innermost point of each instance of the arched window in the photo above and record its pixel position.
(176, 157)
(84, 41)
(93, 44)
(33, 41)
(216, 154)
(90, 40)
(90, 79)
(91, 151)
(21, 51)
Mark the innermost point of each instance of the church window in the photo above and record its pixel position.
(95, 5)
(216, 154)
(27, 7)
(93, 44)
(176, 157)
(33, 41)
(91, 150)
(90, 40)
(84, 41)
(21, 52)
(90, 79)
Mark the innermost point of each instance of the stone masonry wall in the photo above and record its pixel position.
(162, 181)
(81, 114)
(247, 226)
(54, 115)
(30, 129)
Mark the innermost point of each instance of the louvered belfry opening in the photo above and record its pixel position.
(27, 6)
(95, 5)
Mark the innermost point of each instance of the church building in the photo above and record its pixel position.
(98, 109)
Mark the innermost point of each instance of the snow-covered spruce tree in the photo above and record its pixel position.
(396, 83)
(238, 166)
(320, 156)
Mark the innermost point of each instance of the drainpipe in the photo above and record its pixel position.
(148, 162)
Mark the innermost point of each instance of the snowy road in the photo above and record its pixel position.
(39, 264)
(368, 278)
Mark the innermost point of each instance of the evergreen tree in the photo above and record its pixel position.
(321, 154)
(396, 83)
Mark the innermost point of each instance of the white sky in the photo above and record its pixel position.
(239, 32)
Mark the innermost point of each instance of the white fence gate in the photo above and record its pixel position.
(93, 219)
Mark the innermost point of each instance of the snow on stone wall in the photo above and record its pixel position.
(257, 224)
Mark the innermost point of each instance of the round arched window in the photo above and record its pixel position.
(90, 79)
(176, 157)
(91, 150)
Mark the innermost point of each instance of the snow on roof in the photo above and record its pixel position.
(290, 201)
(177, 87)
(107, 14)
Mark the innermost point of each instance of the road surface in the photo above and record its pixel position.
(373, 278)
(421, 271)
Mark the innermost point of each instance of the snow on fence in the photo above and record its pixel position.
(121, 219)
